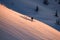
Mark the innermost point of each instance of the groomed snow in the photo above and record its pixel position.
(15, 26)
(27, 7)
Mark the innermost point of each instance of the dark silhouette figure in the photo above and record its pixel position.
(56, 14)
(31, 18)
(46, 2)
(59, 2)
(36, 9)
(57, 22)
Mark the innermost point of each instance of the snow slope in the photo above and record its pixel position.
(27, 7)
(15, 26)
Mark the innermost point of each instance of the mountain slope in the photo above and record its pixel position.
(45, 13)
(20, 27)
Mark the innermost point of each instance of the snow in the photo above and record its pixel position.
(45, 14)
(16, 26)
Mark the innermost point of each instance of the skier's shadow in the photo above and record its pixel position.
(26, 18)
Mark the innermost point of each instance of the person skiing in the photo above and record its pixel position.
(31, 18)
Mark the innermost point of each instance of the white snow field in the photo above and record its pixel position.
(15, 26)
(27, 7)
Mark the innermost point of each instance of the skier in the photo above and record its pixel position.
(31, 18)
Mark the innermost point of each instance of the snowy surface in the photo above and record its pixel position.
(13, 26)
(27, 7)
